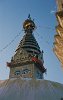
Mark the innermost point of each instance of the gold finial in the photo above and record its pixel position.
(29, 17)
(29, 25)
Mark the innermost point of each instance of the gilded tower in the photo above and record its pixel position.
(58, 44)
(28, 59)
(59, 5)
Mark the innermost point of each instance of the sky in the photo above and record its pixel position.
(12, 15)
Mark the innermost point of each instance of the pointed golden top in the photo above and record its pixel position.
(28, 25)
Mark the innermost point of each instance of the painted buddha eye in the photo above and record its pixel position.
(17, 72)
(25, 71)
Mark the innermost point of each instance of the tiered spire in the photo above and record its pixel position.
(58, 44)
(28, 51)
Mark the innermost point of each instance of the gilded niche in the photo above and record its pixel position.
(20, 56)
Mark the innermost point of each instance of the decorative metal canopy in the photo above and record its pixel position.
(29, 25)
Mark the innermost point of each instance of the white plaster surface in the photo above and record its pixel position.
(19, 89)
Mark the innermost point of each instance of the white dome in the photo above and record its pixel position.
(19, 89)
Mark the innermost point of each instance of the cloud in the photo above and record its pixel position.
(52, 11)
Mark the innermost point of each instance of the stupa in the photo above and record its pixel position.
(26, 80)
(28, 59)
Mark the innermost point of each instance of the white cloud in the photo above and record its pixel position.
(52, 11)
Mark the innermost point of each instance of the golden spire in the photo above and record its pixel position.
(29, 25)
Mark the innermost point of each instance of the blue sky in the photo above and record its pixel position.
(12, 15)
